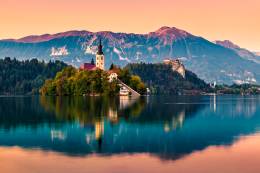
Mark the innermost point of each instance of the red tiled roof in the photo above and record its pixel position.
(88, 66)
(116, 70)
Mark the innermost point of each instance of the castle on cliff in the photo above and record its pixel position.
(176, 66)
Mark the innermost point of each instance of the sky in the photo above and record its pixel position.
(235, 20)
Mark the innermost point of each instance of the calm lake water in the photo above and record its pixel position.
(202, 134)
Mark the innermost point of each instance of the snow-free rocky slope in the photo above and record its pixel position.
(210, 61)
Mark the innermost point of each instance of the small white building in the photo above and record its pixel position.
(124, 91)
(112, 76)
(148, 91)
(213, 85)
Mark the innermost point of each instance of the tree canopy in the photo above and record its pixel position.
(25, 77)
(71, 81)
(161, 79)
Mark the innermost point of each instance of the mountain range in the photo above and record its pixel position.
(220, 61)
(244, 53)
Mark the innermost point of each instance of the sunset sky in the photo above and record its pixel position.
(235, 20)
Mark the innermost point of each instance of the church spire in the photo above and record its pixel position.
(100, 51)
(100, 58)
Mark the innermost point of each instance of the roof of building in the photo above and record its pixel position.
(88, 66)
(113, 71)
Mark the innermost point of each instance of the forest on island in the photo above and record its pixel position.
(73, 82)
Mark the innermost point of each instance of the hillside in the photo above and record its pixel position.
(161, 79)
(210, 61)
(25, 77)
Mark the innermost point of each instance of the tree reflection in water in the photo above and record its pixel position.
(169, 127)
(90, 110)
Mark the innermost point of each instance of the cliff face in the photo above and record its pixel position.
(176, 66)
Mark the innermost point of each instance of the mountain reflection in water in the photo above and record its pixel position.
(242, 156)
(167, 127)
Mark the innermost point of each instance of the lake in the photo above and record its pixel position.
(182, 134)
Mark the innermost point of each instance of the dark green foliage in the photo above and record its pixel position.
(70, 82)
(134, 81)
(25, 77)
(243, 89)
(125, 76)
(92, 61)
(162, 80)
(112, 66)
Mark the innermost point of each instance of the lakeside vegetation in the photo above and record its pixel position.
(73, 82)
(243, 89)
(32, 77)
(161, 79)
(25, 77)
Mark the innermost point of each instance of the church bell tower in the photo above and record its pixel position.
(100, 58)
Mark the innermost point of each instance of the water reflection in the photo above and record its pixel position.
(234, 105)
(242, 156)
(166, 127)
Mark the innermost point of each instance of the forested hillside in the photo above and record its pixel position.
(25, 77)
(161, 79)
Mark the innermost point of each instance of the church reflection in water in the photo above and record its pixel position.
(168, 127)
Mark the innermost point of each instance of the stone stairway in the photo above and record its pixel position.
(133, 92)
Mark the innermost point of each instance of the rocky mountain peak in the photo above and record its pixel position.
(227, 44)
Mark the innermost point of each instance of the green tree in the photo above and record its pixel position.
(92, 61)
(26, 77)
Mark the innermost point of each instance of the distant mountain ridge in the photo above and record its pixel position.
(257, 53)
(210, 61)
(47, 37)
(244, 53)
(164, 31)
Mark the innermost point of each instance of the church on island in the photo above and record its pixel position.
(100, 60)
(99, 64)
